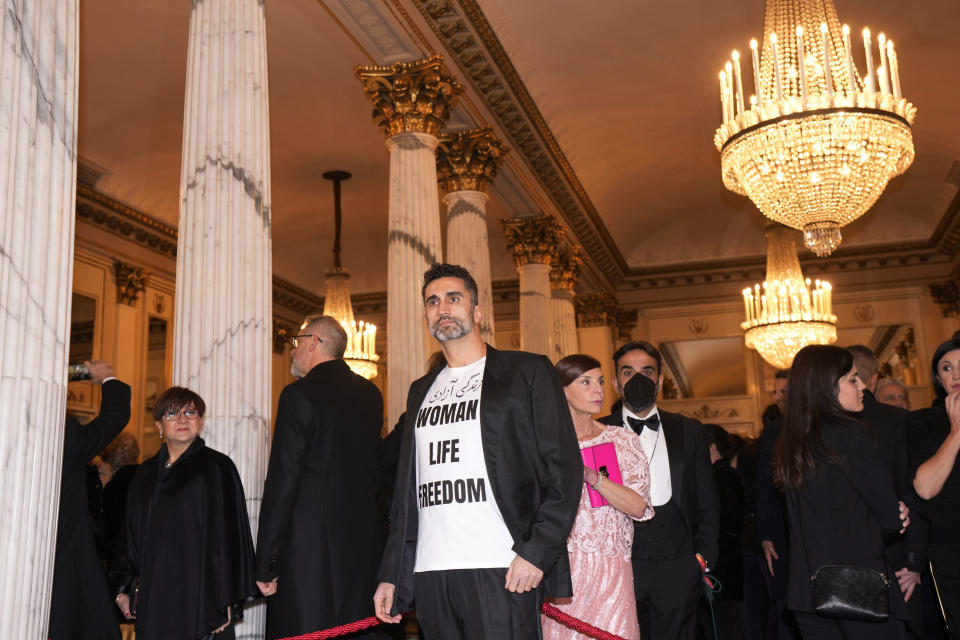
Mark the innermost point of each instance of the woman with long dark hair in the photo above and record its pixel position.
(934, 445)
(840, 500)
(600, 543)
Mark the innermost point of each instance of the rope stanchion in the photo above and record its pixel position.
(548, 609)
(577, 624)
(342, 630)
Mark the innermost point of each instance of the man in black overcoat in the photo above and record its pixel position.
(888, 424)
(480, 562)
(81, 607)
(666, 570)
(320, 538)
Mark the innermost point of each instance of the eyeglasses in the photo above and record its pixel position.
(189, 414)
(294, 339)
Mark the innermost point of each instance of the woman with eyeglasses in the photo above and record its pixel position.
(188, 542)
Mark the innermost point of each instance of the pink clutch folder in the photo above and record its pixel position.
(602, 458)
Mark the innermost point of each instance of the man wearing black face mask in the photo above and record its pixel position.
(666, 567)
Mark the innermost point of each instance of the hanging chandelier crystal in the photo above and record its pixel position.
(361, 352)
(814, 146)
(791, 313)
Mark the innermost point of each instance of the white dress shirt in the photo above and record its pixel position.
(655, 448)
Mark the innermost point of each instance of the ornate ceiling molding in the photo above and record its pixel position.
(476, 50)
(473, 46)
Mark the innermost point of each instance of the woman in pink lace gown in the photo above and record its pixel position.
(599, 545)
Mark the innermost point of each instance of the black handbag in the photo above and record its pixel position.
(845, 592)
(850, 593)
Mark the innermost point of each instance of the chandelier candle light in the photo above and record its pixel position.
(361, 352)
(791, 312)
(813, 147)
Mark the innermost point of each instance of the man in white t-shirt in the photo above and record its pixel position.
(488, 483)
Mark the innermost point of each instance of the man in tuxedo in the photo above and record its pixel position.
(488, 483)
(666, 567)
(320, 535)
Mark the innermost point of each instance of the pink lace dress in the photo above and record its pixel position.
(599, 548)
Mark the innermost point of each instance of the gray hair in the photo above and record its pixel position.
(330, 332)
(886, 382)
(864, 360)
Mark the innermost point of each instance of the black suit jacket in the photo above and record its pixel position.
(691, 479)
(81, 606)
(846, 505)
(319, 530)
(533, 460)
(928, 428)
(889, 426)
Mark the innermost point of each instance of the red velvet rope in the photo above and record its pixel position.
(548, 609)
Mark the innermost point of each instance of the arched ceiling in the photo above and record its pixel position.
(626, 90)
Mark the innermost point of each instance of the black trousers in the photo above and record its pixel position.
(472, 604)
(947, 584)
(814, 627)
(668, 593)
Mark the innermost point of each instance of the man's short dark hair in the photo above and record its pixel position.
(782, 374)
(635, 345)
(865, 360)
(176, 398)
(444, 270)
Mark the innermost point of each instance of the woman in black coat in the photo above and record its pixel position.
(840, 500)
(934, 445)
(188, 538)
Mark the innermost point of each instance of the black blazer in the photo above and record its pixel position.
(928, 428)
(81, 606)
(846, 504)
(888, 424)
(691, 479)
(320, 532)
(532, 457)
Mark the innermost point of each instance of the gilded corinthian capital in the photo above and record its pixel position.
(532, 239)
(469, 159)
(410, 97)
(566, 268)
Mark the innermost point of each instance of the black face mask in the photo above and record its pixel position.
(639, 393)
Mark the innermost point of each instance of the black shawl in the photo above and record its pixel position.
(188, 541)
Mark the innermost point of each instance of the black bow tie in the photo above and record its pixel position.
(637, 424)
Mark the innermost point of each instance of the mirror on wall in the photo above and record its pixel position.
(83, 321)
(705, 368)
(155, 381)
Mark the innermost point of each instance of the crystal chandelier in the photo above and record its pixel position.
(790, 313)
(361, 353)
(814, 146)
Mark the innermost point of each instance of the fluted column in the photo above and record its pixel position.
(411, 102)
(222, 328)
(467, 162)
(534, 243)
(38, 143)
(563, 278)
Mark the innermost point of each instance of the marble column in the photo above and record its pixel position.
(411, 102)
(534, 242)
(563, 278)
(38, 167)
(467, 162)
(223, 321)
